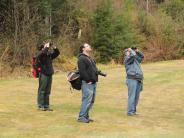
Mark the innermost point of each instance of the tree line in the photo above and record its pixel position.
(110, 26)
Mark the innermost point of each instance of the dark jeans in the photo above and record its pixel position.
(88, 99)
(44, 90)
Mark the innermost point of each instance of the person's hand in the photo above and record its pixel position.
(46, 45)
(137, 50)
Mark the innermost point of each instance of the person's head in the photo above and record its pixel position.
(40, 47)
(85, 48)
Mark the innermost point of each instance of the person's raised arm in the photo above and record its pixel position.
(129, 56)
(139, 56)
(55, 53)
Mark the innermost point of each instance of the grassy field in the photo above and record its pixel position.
(161, 107)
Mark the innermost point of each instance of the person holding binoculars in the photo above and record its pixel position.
(132, 61)
(45, 56)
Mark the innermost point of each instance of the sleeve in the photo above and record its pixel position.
(129, 57)
(139, 56)
(55, 53)
(82, 69)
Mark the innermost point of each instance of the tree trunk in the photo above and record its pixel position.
(147, 6)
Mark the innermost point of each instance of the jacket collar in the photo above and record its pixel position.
(82, 54)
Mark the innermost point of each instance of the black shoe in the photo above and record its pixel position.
(83, 120)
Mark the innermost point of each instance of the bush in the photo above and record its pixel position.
(162, 42)
(175, 8)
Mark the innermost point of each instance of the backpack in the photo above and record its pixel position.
(74, 79)
(35, 67)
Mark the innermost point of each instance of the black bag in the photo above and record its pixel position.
(74, 79)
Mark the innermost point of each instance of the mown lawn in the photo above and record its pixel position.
(161, 107)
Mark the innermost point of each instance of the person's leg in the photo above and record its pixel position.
(38, 96)
(138, 90)
(42, 90)
(87, 96)
(92, 101)
(48, 92)
(132, 86)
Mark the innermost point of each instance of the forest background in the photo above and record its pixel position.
(154, 26)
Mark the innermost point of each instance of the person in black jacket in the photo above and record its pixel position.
(89, 75)
(45, 58)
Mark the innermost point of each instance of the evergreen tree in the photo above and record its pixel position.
(112, 32)
(124, 36)
(103, 32)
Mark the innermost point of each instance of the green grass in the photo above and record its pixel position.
(161, 107)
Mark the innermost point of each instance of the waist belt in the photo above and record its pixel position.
(134, 78)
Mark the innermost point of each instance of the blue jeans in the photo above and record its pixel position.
(134, 89)
(88, 99)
